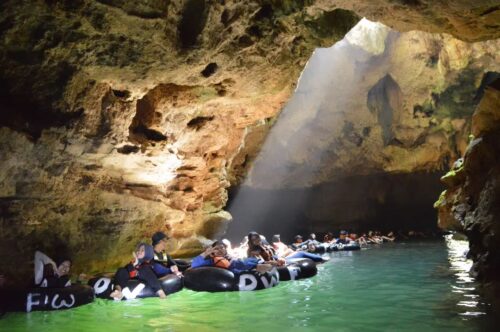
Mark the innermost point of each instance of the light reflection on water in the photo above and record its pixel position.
(465, 284)
(419, 286)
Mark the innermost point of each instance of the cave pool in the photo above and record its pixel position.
(405, 286)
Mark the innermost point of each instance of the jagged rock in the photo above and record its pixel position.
(120, 118)
(476, 195)
(356, 112)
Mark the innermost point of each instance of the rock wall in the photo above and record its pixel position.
(471, 203)
(369, 129)
(402, 105)
(119, 118)
(379, 201)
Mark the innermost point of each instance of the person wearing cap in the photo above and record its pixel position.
(163, 264)
(343, 239)
(299, 243)
(281, 248)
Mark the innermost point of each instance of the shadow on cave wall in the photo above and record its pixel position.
(371, 202)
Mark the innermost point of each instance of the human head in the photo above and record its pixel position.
(312, 236)
(144, 252)
(298, 239)
(329, 236)
(254, 251)
(254, 239)
(219, 249)
(276, 238)
(159, 241)
(342, 235)
(63, 266)
(353, 236)
(311, 247)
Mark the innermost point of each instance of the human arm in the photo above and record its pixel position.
(238, 266)
(173, 266)
(277, 262)
(200, 261)
(160, 269)
(40, 261)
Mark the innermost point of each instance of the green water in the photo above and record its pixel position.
(419, 286)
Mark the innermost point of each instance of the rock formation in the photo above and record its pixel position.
(471, 203)
(368, 132)
(119, 118)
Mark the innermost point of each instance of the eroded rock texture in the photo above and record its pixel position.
(122, 117)
(472, 201)
(467, 20)
(402, 107)
(369, 129)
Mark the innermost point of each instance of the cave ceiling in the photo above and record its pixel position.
(119, 117)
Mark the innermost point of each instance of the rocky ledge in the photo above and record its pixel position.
(471, 204)
(122, 117)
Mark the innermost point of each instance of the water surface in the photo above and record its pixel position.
(414, 286)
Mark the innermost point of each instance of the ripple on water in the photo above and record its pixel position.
(421, 286)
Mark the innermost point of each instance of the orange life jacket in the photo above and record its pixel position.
(221, 262)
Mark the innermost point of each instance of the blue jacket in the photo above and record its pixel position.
(236, 266)
(160, 270)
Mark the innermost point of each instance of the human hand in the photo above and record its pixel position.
(208, 252)
(81, 277)
(263, 268)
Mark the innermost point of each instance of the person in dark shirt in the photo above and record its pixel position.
(267, 252)
(52, 274)
(140, 269)
(343, 239)
(163, 264)
(299, 244)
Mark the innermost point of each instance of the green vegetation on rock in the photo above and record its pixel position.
(440, 200)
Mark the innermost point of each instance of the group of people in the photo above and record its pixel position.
(344, 238)
(151, 261)
(254, 253)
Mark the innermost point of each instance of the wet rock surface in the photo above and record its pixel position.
(471, 202)
(403, 107)
(119, 118)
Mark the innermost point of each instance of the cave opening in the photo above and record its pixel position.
(340, 156)
(122, 119)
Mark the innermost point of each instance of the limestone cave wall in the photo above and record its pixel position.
(471, 202)
(119, 118)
